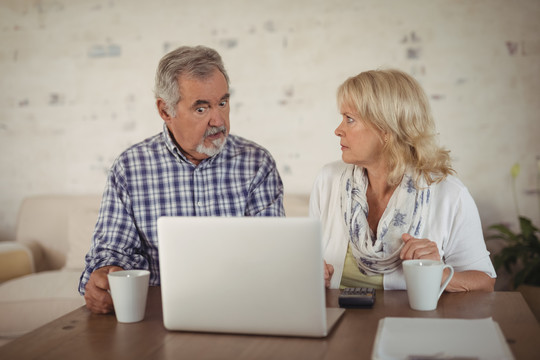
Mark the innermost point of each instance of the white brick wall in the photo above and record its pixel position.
(76, 81)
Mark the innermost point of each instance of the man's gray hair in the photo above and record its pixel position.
(198, 62)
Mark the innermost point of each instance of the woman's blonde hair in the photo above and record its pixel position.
(394, 103)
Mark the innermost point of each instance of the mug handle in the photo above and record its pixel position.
(445, 284)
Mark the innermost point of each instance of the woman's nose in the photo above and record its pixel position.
(338, 131)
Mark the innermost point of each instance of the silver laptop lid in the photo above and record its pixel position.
(248, 275)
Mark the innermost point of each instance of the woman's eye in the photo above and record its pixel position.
(350, 120)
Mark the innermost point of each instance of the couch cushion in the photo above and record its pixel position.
(81, 223)
(34, 300)
(296, 204)
(44, 219)
(15, 260)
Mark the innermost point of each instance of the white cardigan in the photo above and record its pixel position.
(453, 223)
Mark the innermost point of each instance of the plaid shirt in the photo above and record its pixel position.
(153, 179)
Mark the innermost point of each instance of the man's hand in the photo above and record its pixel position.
(328, 272)
(97, 297)
(418, 249)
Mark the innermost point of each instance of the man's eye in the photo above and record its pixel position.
(200, 110)
(223, 103)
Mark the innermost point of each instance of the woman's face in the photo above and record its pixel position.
(361, 144)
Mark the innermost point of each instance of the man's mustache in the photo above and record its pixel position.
(215, 130)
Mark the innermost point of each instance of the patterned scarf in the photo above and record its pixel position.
(405, 213)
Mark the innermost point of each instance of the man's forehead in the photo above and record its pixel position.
(209, 101)
(208, 89)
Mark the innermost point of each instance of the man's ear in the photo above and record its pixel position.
(163, 110)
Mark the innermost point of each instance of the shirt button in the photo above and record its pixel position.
(199, 203)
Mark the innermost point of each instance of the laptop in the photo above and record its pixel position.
(244, 275)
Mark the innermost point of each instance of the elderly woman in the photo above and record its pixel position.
(393, 197)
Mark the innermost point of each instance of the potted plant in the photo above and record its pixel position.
(521, 255)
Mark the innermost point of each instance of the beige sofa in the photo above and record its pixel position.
(45, 261)
(40, 269)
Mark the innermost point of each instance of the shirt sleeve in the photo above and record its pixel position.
(266, 192)
(116, 240)
(465, 248)
(455, 226)
(314, 199)
(324, 204)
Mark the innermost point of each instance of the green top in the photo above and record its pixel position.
(352, 277)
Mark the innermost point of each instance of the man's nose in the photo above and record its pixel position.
(217, 118)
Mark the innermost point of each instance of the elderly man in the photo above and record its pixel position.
(193, 168)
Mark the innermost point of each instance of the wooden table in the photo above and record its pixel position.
(82, 335)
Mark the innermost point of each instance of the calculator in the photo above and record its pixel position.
(357, 297)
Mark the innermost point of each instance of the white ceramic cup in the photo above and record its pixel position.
(129, 289)
(423, 278)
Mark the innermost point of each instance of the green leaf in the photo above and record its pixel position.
(521, 256)
(533, 274)
(519, 278)
(506, 258)
(504, 233)
(527, 228)
(529, 274)
(514, 171)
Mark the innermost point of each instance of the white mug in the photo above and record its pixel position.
(129, 289)
(423, 279)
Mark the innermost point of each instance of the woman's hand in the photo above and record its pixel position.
(328, 272)
(418, 249)
(461, 281)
